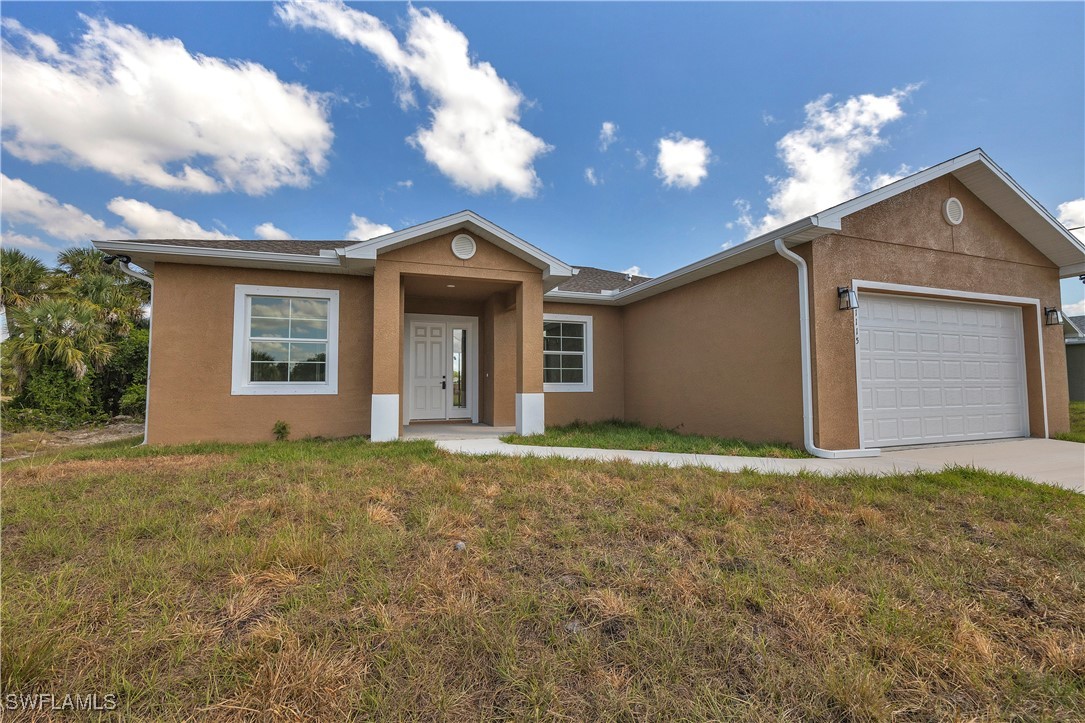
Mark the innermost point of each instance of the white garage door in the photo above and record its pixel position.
(939, 371)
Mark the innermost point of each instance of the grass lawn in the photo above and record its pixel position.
(1077, 423)
(625, 435)
(320, 579)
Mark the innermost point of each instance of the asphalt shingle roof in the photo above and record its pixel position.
(307, 248)
(588, 279)
(593, 280)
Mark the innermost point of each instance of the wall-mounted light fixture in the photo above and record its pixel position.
(848, 298)
(1052, 316)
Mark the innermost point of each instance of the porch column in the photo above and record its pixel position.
(530, 407)
(384, 422)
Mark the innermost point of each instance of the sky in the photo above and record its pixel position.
(629, 136)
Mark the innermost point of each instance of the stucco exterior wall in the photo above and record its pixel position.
(192, 356)
(607, 398)
(906, 241)
(719, 356)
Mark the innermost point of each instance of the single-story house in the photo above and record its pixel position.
(1074, 336)
(913, 314)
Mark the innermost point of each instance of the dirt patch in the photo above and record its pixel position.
(19, 445)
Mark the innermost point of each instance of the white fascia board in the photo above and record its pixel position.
(605, 298)
(193, 254)
(800, 231)
(1068, 272)
(977, 156)
(836, 213)
(552, 267)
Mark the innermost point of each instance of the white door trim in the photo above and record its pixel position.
(467, 322)
(951, 294)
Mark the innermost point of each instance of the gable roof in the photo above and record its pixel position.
(554, 270)
(332, 256)
(1073, 327)
(982, 176)
(974, 169)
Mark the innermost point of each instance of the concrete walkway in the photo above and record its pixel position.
(1046, 461)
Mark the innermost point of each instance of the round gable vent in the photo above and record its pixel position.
(953, 211)
(463, 246)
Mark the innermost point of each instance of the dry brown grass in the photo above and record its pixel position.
(318, 580)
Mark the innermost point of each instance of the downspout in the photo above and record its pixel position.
(125, 268)
(807, 375)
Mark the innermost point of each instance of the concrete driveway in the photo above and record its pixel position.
(1048, 461)
(1040, 460)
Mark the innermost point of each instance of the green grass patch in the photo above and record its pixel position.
(320, 579)
(616, 434)
(1077, 424)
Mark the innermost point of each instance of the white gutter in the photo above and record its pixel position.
(123, 262)
(123, 266)
(807, 380)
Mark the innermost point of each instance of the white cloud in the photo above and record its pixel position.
(607, 135)
(682, 161)
(474, 137)
(362, 229)
(590, 177)
(1072, 215)
(642, 160)
(634, 270)
(25, 204)
(405, 184)
(144, 109)
(1076, 309)
(270, 231)
(823, 156)
(148, 222)
(13, 239)
(22, 203)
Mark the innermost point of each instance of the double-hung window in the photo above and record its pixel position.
(567, 353)
(285, 340)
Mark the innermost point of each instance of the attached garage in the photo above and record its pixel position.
(933, 370)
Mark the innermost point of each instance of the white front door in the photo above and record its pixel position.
(440, 356)
(428, 370)
(939, 371)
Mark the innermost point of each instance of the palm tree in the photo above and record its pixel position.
(24, 280)
(80, 261)
(120, 306)
(68, 332)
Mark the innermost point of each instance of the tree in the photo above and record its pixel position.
(67, 332)
(24, 280)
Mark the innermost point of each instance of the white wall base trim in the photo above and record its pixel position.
(530, 413)
(384, 418)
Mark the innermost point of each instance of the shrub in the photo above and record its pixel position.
(58, 396)
(134, 400)
(281, 430)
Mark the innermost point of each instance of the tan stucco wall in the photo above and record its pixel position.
(607, 398)
(906, 241)
(192, 351)
(719, 356)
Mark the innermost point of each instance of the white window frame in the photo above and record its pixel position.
(243, 294)
(588, 384)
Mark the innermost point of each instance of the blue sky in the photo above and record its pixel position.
(323, 121)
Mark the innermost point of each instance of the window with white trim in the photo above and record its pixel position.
(285, 340)
(567, 353)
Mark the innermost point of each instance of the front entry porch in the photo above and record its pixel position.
(463, 346)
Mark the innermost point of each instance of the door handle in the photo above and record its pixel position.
(443, 382)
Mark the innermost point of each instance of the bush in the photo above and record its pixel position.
(115, 383)
(53, 398)
(134, 400)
